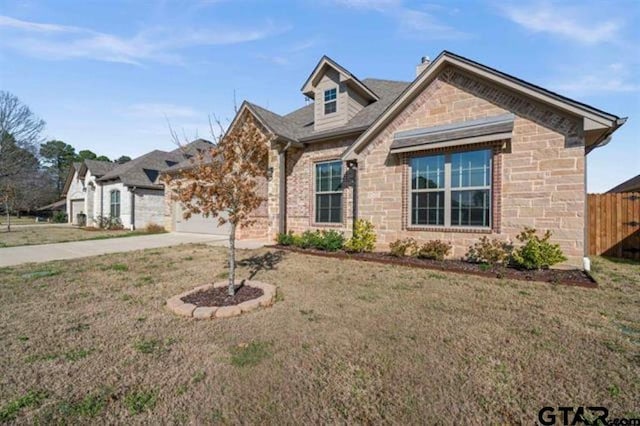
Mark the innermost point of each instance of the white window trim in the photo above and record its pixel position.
(325, 102)
(111, 203)
(447, 194)
(315, 193)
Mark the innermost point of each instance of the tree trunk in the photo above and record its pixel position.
(232, 259)
(6, 205)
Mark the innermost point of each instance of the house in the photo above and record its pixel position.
(462, 151)
(79, 188)
(131, 192)
(631, 185)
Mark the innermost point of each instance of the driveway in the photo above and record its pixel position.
(11, 256)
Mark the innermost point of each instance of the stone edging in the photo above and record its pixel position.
(177, 306)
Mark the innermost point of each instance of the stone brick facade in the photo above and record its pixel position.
(300, 186)
(538, 177)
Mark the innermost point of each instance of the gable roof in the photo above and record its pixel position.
(297, 126)
(345, 75)
(593, 117)
(631, 185)
(143, 171)
(99, 168)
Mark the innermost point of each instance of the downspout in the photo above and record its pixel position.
(282, 193)
(133, 207)
(353, 166)
(101, 201)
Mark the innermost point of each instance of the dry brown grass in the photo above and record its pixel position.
(347, 342)
(43, 234)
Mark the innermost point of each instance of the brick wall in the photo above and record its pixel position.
(300, 186)
(538, 177)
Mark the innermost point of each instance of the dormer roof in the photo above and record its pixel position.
(308, 88)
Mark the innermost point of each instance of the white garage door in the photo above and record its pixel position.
(198, 223)
(77, 207)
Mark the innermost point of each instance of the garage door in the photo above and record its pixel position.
(77, 207)
(198, 223)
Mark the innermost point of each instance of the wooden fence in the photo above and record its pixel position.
(614, 224)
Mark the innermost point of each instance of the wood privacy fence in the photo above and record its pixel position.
(614, 224)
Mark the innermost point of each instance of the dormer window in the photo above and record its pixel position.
(330, 101)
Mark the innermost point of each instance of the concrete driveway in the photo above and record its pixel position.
(11, 256)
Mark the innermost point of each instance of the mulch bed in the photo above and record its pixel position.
(219, 296)
(571, 277)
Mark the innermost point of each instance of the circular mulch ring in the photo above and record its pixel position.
(212, 300)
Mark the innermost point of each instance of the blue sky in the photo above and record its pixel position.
(104, 74)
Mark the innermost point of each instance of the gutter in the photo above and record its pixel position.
(606, 136)
(133, 208)
(333, 134)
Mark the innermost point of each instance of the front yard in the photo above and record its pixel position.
(346, 342)
(43, 234)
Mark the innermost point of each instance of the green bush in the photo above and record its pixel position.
(404, 247)
(536, 252)
(285, 239)
(434, 249)
(322, 240)
(363, 238)
(490, 251)
(59, 217)
(331, 241)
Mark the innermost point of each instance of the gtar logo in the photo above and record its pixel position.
(567, 416)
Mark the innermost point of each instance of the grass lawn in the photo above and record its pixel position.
(56, 234)
(24, 220)
(90, 340)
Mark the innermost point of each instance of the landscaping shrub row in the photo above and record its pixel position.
(535, 252)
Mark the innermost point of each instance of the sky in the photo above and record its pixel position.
(112, 76)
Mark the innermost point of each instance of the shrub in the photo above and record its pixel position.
(109, 222)
(536, 252)
(404, 247)
(331, 240)
(322, 240)
(154, 228)
(434, 249)
(310, 239)
(363, 238)
(59, 217)
(285, 239)
(491, 251)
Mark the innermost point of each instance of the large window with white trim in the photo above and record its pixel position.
(451, 190)
(114, 203)
(328, 192)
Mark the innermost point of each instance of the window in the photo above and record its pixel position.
(328, 179)
(330, 101)
(114, 205)
(451, 189)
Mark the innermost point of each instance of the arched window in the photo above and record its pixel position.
(114, 205)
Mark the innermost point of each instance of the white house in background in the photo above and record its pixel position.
(131, 191)
(79, 188)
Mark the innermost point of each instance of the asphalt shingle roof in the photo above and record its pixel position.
(99, 168)
(631, 185)
(143, 171)
(298, 124)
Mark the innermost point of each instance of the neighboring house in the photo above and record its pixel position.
(131, 191)
(79, 188)
(631, 185)
(462, 151)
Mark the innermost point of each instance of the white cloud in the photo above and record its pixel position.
(613, 78)
(564, 21)
(414, 23)
(51, 41)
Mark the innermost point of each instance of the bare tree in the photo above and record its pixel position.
(225, 180)
(20, 130)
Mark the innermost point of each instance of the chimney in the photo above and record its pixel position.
(424, 62)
